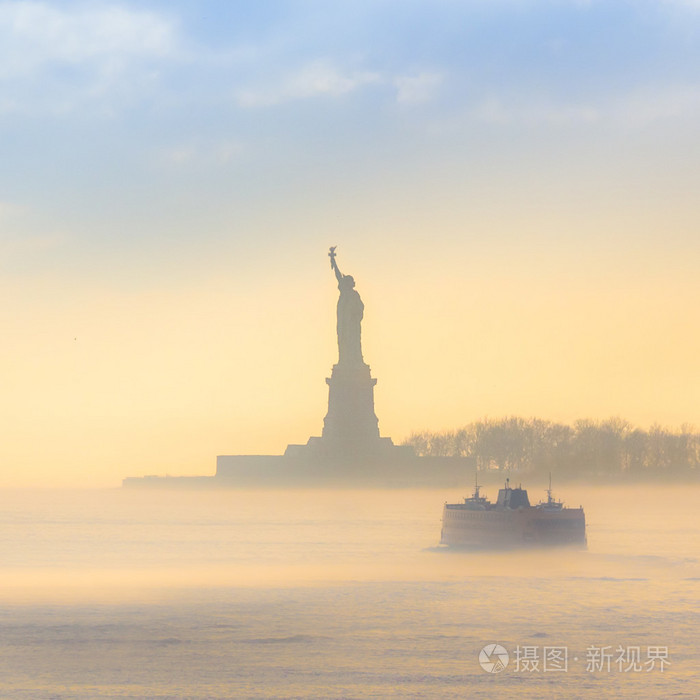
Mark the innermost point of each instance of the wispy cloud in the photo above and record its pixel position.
(77, 51)
(33, 34)
(421, 87)
(692, 4)
(496, 110)
(201, 153)
(322, 78)
(636, 108)
(315, 79)
(653, 104)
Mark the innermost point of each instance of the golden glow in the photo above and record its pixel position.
(104, 382)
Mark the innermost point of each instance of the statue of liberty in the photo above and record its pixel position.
(350, 312)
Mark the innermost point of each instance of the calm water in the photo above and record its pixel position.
(315, 594)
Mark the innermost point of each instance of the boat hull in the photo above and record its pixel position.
(506, 528)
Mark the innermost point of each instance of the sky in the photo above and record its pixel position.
(512, 184)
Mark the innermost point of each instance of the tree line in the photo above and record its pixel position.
(609, 447)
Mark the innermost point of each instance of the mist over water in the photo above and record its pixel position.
(217, 594)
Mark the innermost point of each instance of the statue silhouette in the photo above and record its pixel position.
(350, 312)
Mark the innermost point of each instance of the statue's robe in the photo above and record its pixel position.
(350, 312)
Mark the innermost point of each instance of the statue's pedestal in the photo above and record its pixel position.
(350, 416)
(350, 428)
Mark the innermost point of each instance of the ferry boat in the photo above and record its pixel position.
(511, 521)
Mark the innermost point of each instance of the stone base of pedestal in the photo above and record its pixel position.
(327, 450)
(351, 419)
(313, 465)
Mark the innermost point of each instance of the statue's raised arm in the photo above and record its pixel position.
(334, 264)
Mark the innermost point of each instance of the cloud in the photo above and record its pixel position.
(322, 79)
(653, 104)
(56, 59)
(411, 89)
(315, 79)
(33, 34)
(201, 153)
(692, 4)
(494, 110)
(637, 108)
